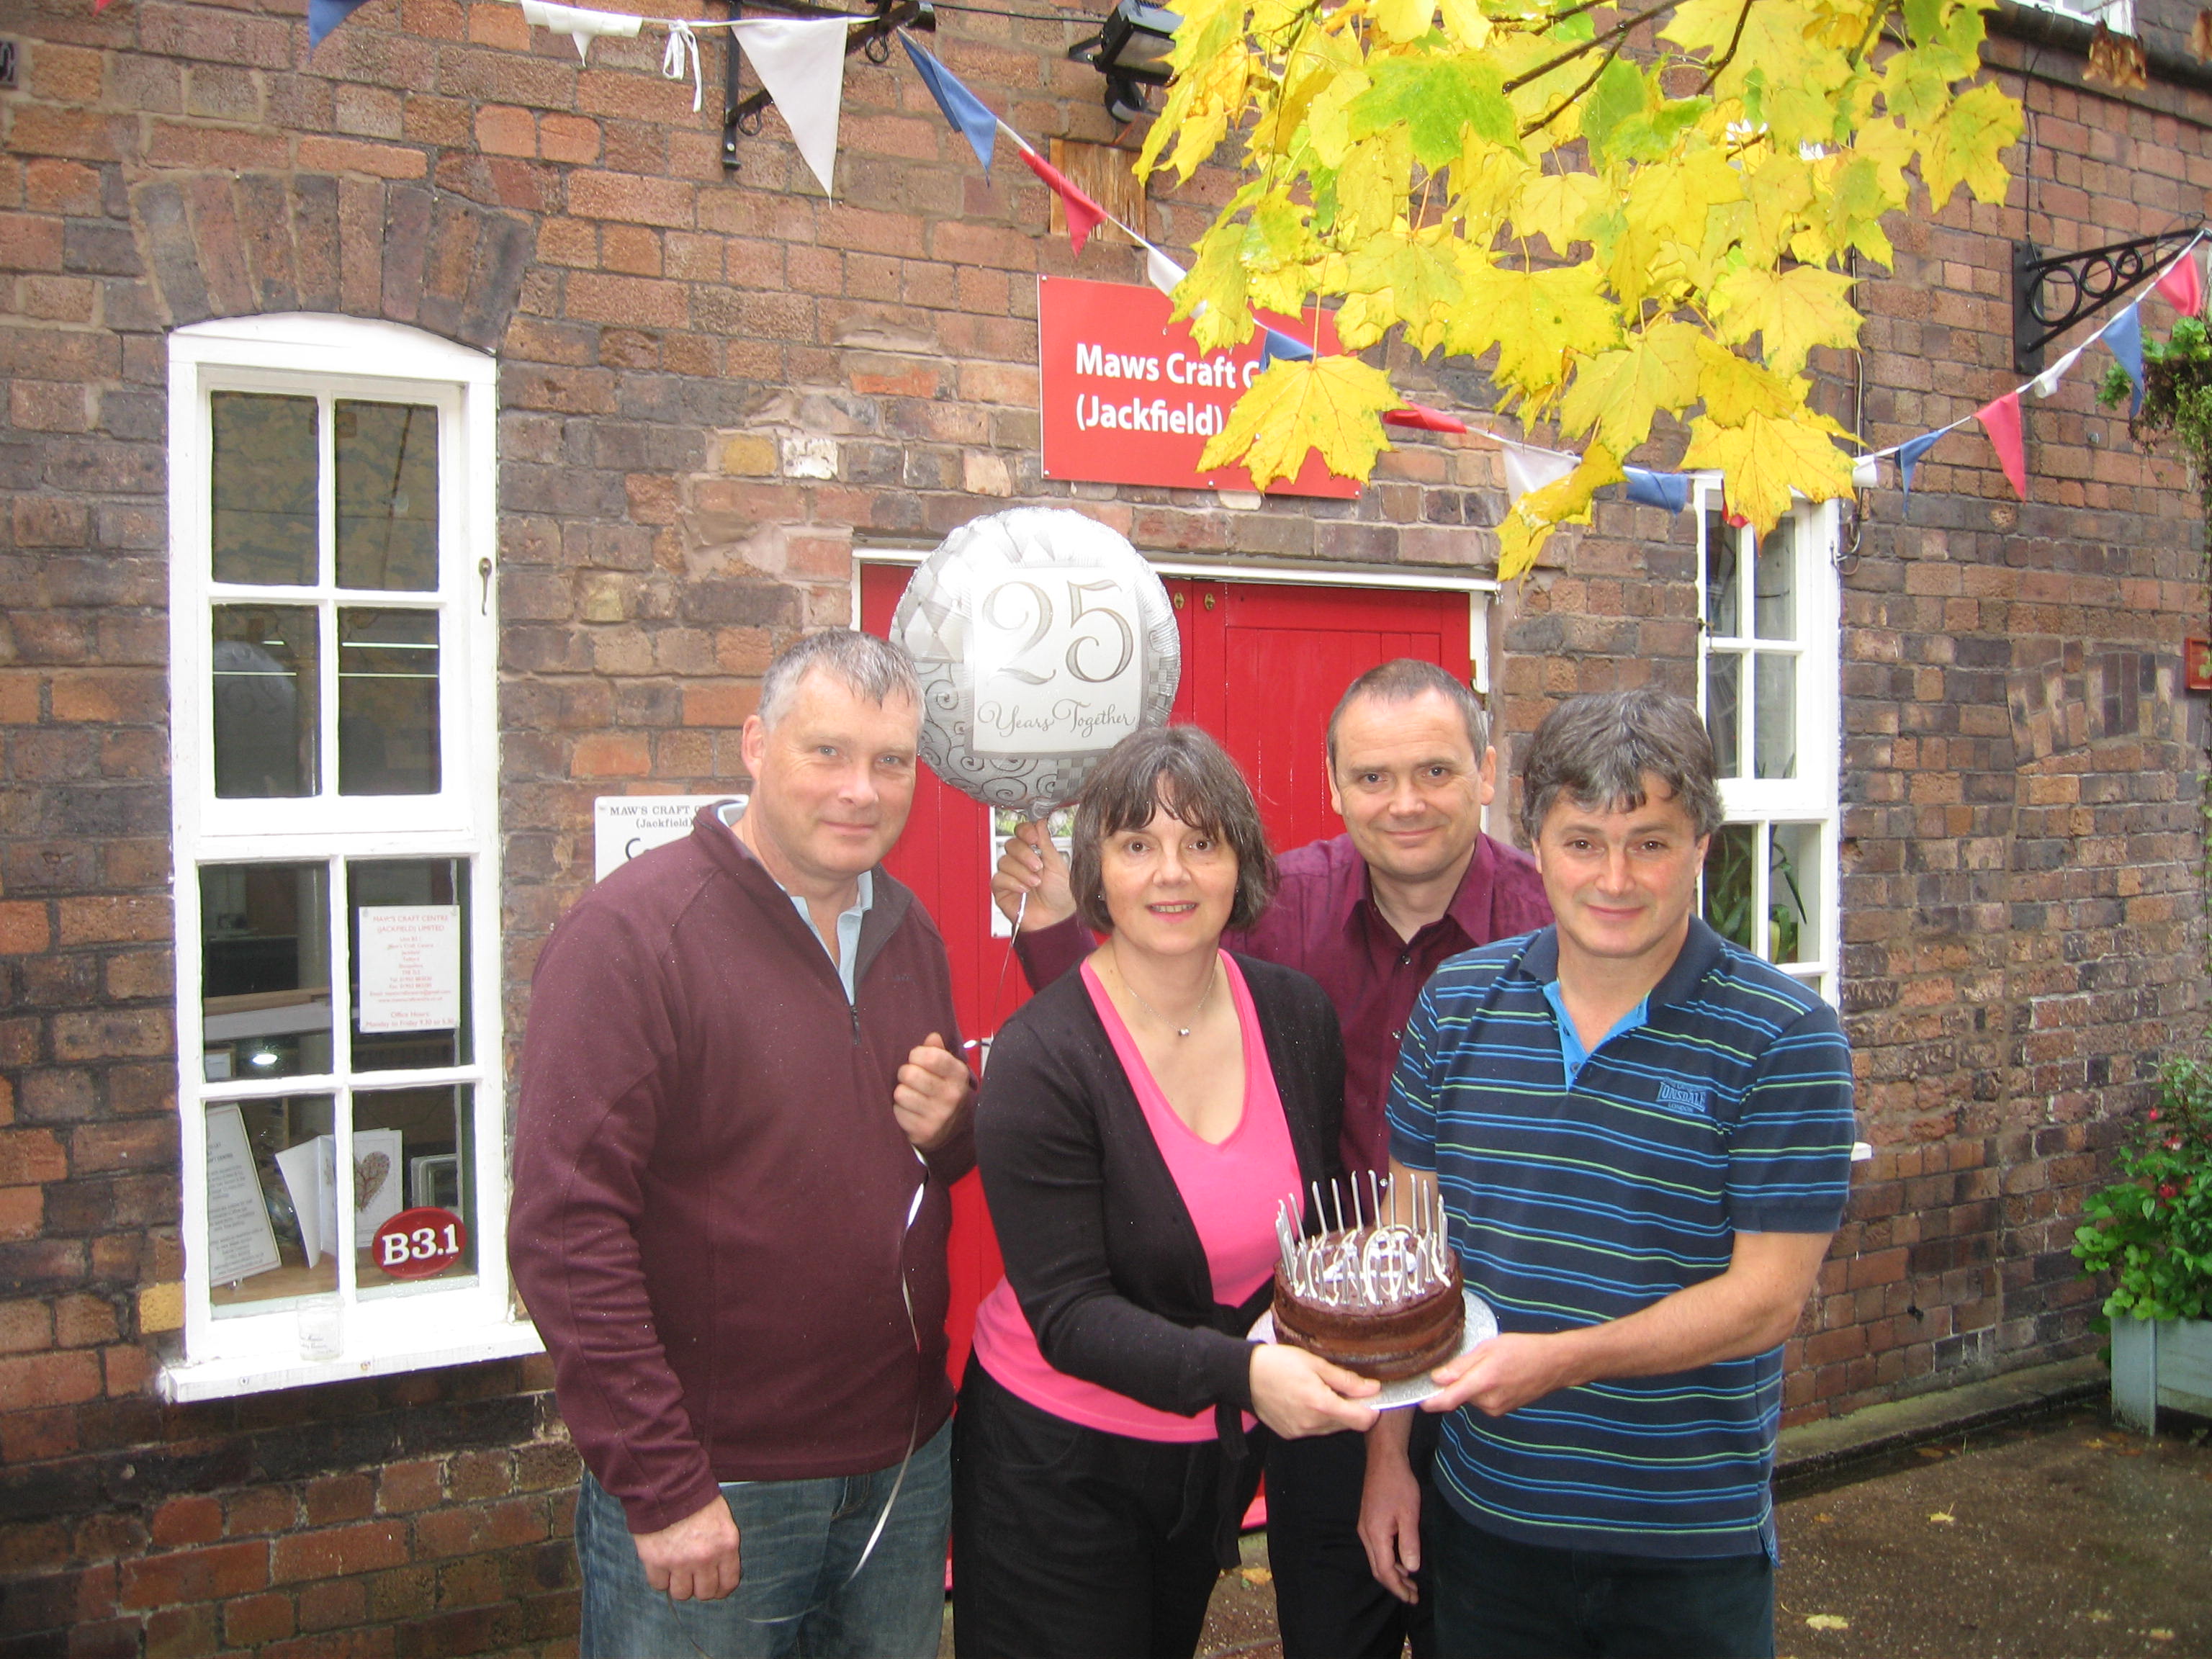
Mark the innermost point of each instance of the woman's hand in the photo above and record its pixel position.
(1297, 1393)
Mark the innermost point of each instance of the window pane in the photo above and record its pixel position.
(1775, 610)
(1723, 702)
(387, 702)
(1728, 881)
(266, 721)
(264, 464)
(1722, 612)
(1793, 893)
(269, 1243)
(387, 467)
(412, 1150)
(408, 925)
(264, 970)
(1774, 723)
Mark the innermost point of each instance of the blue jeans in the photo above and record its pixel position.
(796, 1544)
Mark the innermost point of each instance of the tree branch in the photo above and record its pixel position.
(1558, 109)
(1615, 35)
(1713, 71)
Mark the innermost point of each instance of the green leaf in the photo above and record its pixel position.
(1438, 99)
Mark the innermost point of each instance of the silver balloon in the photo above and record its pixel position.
(1043, 639)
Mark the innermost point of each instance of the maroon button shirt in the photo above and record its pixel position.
(1323, 922)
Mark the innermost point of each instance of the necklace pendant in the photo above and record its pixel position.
(1182, 1031)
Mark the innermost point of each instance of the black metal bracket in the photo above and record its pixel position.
(742, 114)
(2052, 293)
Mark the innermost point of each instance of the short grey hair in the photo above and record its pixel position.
(1402, 680)
(1597, 750)
(864, 665)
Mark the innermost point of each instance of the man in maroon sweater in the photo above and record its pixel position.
(741, 1107)
(1371, 913)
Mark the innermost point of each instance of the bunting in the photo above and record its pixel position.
(2124, 334)
(1084, 214)
(2183, 286)
(800, 61)
(2000, 420)
(324, 15)
(962, 109)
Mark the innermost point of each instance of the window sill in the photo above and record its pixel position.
(183, 1383)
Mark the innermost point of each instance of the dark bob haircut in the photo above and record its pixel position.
(1596, 750)
(1183, 769)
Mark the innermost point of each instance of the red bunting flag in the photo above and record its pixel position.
(1427, 420)
(1084, 214)
(2184, 285)
(2000, 420)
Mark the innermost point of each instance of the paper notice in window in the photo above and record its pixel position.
(241, 1241)
(410, 968)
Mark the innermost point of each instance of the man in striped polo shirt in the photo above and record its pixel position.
(1641, 1135)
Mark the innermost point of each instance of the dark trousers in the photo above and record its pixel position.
(1077, 1544)
(1497, 1599)
(1328, 1603)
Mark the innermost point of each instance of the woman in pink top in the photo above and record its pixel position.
(1141, 1119)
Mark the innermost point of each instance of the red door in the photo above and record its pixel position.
(1263, 664)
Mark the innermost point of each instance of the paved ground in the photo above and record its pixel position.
(2064, 1540)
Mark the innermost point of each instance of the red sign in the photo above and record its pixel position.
(419, 1243)
(1130, 398)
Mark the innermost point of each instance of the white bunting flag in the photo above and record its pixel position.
(2046, 384)
(1528, 467)
(1163, 272)
(580, 24)
(801, 61)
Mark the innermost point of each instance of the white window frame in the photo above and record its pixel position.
(1815, 794)
(438, 1323)
(2117, 15)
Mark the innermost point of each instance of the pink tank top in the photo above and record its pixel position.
(1230, 1190)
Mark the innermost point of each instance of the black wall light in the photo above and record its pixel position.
(1132, 52)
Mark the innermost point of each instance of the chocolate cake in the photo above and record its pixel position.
(1369, 1299)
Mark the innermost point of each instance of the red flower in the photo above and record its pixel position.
(2166, 1189)
(2154, 1113)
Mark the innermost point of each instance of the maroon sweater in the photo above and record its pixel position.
(711, 1191)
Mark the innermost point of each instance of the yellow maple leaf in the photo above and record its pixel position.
(1762, 461)
(1791, 312)
(1732, 387)
(1967, 146)
(1618, 392)
(1525, 530)
(1534, 318)
(1400, 21)
(1555, 205)
(1332, 404)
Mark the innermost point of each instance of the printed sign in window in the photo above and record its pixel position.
(410, 967)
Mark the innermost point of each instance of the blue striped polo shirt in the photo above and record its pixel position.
(1577, 1194)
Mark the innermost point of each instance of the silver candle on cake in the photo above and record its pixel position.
(1380, 1259)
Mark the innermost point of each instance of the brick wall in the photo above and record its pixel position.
(424, 1514)
(716, 393)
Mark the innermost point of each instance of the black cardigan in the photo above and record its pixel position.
(1097, 1242)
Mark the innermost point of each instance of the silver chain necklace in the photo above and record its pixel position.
(1196, 1014)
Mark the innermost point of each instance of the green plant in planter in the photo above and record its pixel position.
(2177, 397)
(2152, 1231)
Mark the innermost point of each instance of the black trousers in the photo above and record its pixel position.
(1498, 1599)
(1328, 1603)
(1076, 1544)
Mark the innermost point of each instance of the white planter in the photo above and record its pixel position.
(2160, 1362)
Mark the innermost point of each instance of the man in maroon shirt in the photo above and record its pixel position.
(1371, 913)
(741, 1109)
